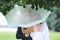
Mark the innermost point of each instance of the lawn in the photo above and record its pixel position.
(54, 35)
(11, 36)
(7, 36)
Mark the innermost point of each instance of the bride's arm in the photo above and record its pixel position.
(31, 29)
(27, 31)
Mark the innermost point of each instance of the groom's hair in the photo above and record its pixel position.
(40, 23)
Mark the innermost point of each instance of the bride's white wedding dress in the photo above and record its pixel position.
(43, 34)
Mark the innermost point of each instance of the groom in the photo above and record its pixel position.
(21, 35)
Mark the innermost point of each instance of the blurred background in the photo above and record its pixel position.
(53, 21)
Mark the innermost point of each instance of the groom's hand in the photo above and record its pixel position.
(23, 30)
(27, 31)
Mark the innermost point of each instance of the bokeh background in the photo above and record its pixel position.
(53, 21)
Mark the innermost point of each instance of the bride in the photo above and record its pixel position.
(38, 32)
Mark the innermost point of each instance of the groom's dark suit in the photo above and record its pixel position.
(20, 35)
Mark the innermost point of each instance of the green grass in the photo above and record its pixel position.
(7, 36)
(11, 36)
(54, 35)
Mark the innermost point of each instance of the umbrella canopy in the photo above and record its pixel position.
(26, 17)
(3, 21)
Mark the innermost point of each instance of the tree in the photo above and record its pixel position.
(6, 5)
(53, 20)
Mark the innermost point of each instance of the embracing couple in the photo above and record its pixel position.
(36, 32)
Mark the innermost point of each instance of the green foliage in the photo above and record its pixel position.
(6, 5)
(54, 20)
(47, 4)
(57, 26)
(51, 21)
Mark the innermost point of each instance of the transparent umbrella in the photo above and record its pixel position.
(26, 17)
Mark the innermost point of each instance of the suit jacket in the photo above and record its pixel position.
(20, 35)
